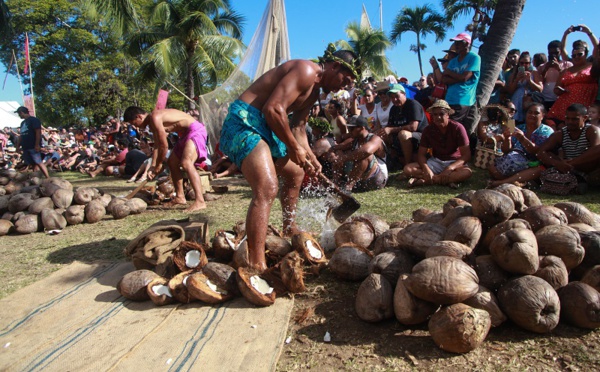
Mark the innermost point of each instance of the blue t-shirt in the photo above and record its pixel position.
(464, 93)
(28, 127)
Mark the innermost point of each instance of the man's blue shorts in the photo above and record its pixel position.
(32, 157)
(243, 128)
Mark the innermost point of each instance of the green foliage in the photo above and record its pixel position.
(320, 123)
(482, 10)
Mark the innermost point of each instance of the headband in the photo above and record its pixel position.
(329, 57)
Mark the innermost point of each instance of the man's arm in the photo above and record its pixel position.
(592, 154)
(546, 156)
(298, 128)
(367, 149)
(161, 146)
(450, 77)
(38, 138)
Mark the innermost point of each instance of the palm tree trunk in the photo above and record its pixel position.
(189, 86)
(419, 53)
(496, 45)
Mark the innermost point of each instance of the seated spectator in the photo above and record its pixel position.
(519, 164)
(338, 122)
(362, 160)
(110, 166)
(449, 144)
(134, 159)
(491, 126)
(524, 80)
(366, 110)
(405, 124)
(382, 109)
(576, 84)
(579, 141)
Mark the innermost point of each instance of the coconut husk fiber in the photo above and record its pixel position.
(75, 320)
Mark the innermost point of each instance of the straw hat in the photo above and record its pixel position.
(440, 103)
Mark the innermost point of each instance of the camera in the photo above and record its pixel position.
(576, 28)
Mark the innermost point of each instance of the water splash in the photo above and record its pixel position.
(311, 215)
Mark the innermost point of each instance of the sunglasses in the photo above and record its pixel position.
(574, 55)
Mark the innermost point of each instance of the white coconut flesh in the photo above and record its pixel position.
(229, 239)
(260, 284)
(192, 259)
(160, 290)
(312, 250)
(214, 287)
(185, 280)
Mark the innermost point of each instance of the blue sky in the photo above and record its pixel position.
(312, 24)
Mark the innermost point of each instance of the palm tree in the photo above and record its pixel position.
(369, 45)
(482, 10)
(5, 26)
(422, 20)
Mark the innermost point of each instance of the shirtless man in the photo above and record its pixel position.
(189, 151)
(258, 137)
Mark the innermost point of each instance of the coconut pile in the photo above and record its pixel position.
(487, 256)
(31, 203)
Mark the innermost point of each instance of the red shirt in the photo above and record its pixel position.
(445, 146)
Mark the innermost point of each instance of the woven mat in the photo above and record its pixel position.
(75, 320)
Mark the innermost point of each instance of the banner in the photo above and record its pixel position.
(12, 59)
(28, 102)
(161, 100)
(26, 68)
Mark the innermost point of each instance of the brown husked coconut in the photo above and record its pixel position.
(489, 273)
(419, 236)
(400, 224)
(530, 198)
(553, 270)
(12, 188)
(189, 256)
(166, 187)
(20, 202)
(159, 292)
(21, 177)
(6, 227)
(531, 303)
(254, 288)
(40, 204)
(18, 215)
(27, 224)
(113, 202)
(592, 277)
(543, 215)
(453, 203)
(35, 180)
(75, 214)
(292, 274)
(409, 309)
(4, 180)
(492, 207)
(513, 192)
(516, 251)
(420, 214)
(467, 195)
(7, 216)
(459, 328)
(358, 232)
(449, 248)
(465, 230)
(561, 241)
(4, 203)
(578, 213)
(374, 299)
(378, 224)
(33, 190)
(350, 262)
(515, 223)
(177, 286)
(436, 217)
(62, 198)
(94, 211)
(105, 199)
(84, 195)
(581, 227)
(240, 228)
(580, 305)
(455, 213)
(120, 211)
(309, 248)
(52, 220)
(276, 247)
(388, 241)
(391, 265)
(224, 245)
(486, 300)
(240, 255)
(443, 280)
(133, 285)
(136, 205)
(11, 173)
(591, 244)
(50, 185)
(204, 289)
(2, 191)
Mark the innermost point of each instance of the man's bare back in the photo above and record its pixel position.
(171, 120)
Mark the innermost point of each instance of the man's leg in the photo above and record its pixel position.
(44, 169)
(174, 164)
(357, 172)
(292, 176)
(405, 138)
(259, 171)
(188, 159)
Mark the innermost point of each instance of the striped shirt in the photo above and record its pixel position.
(574, 147)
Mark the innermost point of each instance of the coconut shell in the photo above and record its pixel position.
(577, 213)
(40, 204)
(6, 227)
(553, 270)
(27, 224)
(378, 224)
(250, 293)
(543, 215)
(52, 220)
(202, 288)
(580, 305)
(223, 274)
(120, 211)
(62, 198)
(419, 236)
(492, 207)
(513, 192)
(350, 262)
(409, 309)
(459, 328)
(531, 303)
(309, 248)
(449, 248)
(136, 205)
(499, 229)
(276, 248)
(224, 245)
(357, 232)
(561, 241)
(133, 285)
(592, 277)
(20, 202)
(388, 241)
(486, 300)
(465, 230)
(183, 256)
(50, 185)
(178, 288)
(94, 211)
(489, 273)
(84, 195)
(516, 251)
(75, 214)
(443, 280)
(391, 265)
(374, 299)
(159, 292)
(292, 273)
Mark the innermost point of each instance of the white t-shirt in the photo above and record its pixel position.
(383, 115)
(371, 117)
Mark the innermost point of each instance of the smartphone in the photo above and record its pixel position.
(576, 28)
(521, 69)
(511, 125)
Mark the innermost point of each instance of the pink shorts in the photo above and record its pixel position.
(197, 134)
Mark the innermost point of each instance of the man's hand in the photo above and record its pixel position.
(154, 171)
(312, 166)
(298, 155)
(427, 174)
(564, 167)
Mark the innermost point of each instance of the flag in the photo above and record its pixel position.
(26, 68)
(8, 69)
(161, 100)
(28, 102)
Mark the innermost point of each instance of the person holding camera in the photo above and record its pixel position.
(524, 80)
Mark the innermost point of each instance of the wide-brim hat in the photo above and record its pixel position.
(440, 103)
(382, 85)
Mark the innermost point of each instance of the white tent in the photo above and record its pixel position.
(8, 118)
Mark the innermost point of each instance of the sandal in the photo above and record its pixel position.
(131, 180)
(140, 180)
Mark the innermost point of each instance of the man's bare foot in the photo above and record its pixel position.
(260, 267)
(178, 201)
(196, 207)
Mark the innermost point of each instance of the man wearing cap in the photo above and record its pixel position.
(462, 76)
(30, 140)
(362, 160)
(405, 125)
(260, 139)
(449, 145)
